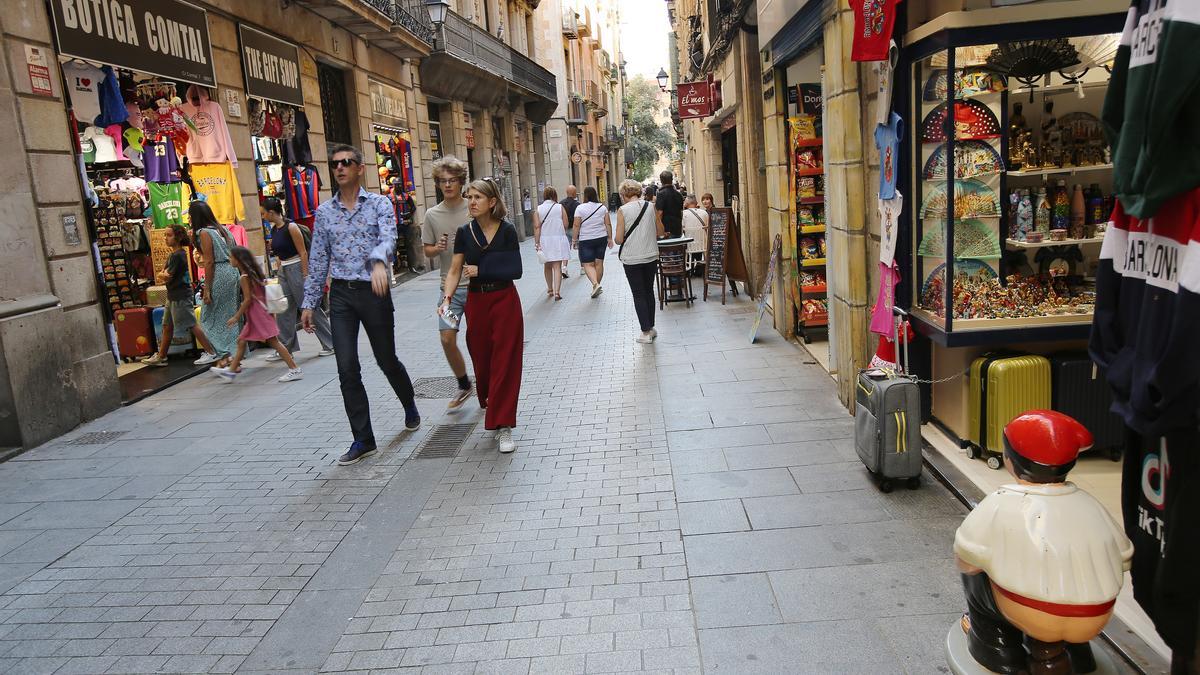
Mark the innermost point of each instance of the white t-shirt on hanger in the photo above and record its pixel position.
(83, 84)
(106, 150)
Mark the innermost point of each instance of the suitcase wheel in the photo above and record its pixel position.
(973, 452)
(885, 485)
(914, 483)
(1114, 454)
(994, 462)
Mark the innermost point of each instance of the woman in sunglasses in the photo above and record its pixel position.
(487, 252)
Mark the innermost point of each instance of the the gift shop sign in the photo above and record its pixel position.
(271, 66)
(695, 99)
(160, 37)
(387, 104)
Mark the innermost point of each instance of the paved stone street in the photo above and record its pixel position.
(692, 505)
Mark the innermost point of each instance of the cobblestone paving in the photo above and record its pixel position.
(695, 505)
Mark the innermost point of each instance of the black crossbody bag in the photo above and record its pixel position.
(632, 227)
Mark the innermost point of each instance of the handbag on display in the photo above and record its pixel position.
(277, 302)
(257, 116)
(272, 124)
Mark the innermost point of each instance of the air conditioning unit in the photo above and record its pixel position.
(570, 24)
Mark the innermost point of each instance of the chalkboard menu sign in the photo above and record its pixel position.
(720, 224)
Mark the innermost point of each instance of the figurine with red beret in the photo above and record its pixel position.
(1040, 557)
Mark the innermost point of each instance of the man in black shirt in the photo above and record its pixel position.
(668, 206)
(571, 203)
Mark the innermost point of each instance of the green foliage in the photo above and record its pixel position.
(648, 138)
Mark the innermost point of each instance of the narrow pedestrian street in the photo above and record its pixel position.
(695, 505)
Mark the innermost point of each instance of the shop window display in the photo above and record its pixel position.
(393, 156)
(1012, 186)
(807, 168)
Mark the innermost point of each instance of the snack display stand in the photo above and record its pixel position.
(807, 200)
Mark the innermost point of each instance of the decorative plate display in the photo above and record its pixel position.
(972, 239)
(972, 199)
(933, 291)
(967, 82)
(971, 158)
(1080, 126)
(972, 119)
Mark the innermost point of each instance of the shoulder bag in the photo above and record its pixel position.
(633, 227)
(277, 302)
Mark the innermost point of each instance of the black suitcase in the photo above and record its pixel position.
(1078, 389)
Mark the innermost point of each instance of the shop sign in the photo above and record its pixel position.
(168, 38)
(271, 66)
(39, 71)
(810, 98)
(576, 157)
(695, 100)
(387, 104)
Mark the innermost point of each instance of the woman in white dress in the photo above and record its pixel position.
(695, 225)
(550, 237)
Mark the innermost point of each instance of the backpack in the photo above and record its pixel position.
(305, 233)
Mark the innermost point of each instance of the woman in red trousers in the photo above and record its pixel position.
(487, 251)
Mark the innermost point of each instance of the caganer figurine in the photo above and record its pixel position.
(1040, 557)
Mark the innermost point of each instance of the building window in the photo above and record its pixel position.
(334, 105)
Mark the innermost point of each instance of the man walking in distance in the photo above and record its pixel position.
(437, 233)
(571, 202)
(353, 242)
(668, 206)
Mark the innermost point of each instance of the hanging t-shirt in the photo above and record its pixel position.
(166, 204)
(87, 148)
(873, 21)
(106, 151)
(302, 186)
(889, 227)
(162, 164)
(882, 321)
(887, 140)
(296, 149)
(885, 72)
(116, 133)
(112, 106)
(83, 84)
(209, 142)
(218, 182)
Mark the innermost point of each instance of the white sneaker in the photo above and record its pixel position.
(274, 356)
(646, 338)
(326, 352)
(292, 376)
(504, 441)
(597, 290)
(205, 359)
(653, 335)
(226, 374)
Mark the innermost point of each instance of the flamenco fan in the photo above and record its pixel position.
(1028, 61)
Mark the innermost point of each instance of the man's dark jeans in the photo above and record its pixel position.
(352, 303)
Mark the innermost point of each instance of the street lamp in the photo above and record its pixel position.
(662, 78)
(437, 11)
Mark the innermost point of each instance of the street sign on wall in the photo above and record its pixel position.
(695, 99)
(160, 37)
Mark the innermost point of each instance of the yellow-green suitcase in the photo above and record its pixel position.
(1002, 387)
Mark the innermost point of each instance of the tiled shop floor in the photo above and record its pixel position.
(692, 505)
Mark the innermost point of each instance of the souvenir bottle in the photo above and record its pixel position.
(1078, 206)
(1024, 216)
(1060, 217)
(1041, 213)
(1095, 209)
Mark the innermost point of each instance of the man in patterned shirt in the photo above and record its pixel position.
(353, 243)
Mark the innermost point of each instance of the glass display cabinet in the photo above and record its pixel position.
(1011, 181)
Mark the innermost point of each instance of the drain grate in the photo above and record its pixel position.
(435, 387)
(444, 441)
(97, 438)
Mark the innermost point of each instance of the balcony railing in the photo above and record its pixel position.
(576, 110)
(401, 27)
(412, 16)
(475, 46)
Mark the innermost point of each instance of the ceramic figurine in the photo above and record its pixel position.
(1052, 149)
(1040, 558)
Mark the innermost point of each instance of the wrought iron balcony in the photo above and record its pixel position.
(398, 26)
(576, 110)
(470, 64)
(614, 137)
(597, 97)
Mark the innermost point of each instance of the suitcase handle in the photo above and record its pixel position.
(900, 317)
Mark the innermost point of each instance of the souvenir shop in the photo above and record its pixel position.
(1002, 195)
(393, 156)
(152, 137)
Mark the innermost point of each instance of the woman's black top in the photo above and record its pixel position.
(498, 261)
(282, 244)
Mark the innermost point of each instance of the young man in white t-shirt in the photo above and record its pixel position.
(437, 234)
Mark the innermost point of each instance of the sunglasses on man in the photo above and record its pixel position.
(346, 162)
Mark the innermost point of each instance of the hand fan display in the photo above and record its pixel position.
(933, 290)
(971, 158)
(967, 82)
(1095, 51)
(964, 57)
(972, 239)
(972, 199)
(1028, 61)
(972, 120)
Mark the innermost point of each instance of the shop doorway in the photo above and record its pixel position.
(729, 164)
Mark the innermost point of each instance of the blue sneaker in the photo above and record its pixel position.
(412, 420)
(358, 450)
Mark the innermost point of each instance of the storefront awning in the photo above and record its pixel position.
(801, 33)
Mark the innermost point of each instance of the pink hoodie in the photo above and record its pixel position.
(210, 141)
